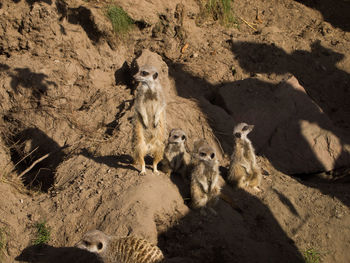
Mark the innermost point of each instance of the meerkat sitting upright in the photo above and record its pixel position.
(244, 170)
(149, 118)
(205, 188)
(122, 250)
(176, 158)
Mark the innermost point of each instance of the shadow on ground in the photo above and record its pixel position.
(252, 235)
(335, 12)
(48, 254)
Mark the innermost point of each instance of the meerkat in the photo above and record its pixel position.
(205, 188)
(149, 118)
(244, 170)
(176, 158)
(122, 250)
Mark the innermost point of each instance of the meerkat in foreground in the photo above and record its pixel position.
(205, 188)
(176, 158)
(149, 118)
(122, 250)
(244, 170)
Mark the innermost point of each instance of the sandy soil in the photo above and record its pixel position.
(66, 94)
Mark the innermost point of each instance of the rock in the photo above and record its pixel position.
(291, 130)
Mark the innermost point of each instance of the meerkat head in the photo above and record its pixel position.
(241, 130)
(204, 152)
(147, 75)
(177, 136)
(94, 241)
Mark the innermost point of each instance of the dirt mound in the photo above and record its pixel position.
(67, 97)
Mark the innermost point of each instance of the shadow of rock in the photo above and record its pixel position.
(316, 70)
(29, 146)
(251, 236)
(48, 254)
(334, 12)
(83, 16)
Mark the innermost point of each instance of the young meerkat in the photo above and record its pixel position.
(122, 250)
(149, 118)
(176, 158)
(244, 170)
(205, 188)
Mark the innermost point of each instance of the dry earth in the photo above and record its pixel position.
(66, 93)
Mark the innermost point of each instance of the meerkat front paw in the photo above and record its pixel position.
(143, 171)
(155, 171)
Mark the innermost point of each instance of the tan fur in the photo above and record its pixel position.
(244, 170)
(176, 158)
(149, 119)
(122, 250)
(205, 188)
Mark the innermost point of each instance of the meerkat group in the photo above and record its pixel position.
(202, 166)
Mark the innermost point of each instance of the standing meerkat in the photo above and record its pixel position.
(122, 250)
(149, 118)
(244, 170)
(176, 158)
(205, 188)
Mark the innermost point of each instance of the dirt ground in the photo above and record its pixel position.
(66, 98)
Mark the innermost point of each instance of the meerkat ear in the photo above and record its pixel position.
(237, 135)
(155, 75)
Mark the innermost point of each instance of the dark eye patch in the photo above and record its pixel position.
(212, 155)
(237, 135)
(155, 75)
(245, 128)
(183, 137)
(176, 136)
(99, 246)
(86, 243)
(202, 154)
(144, 73)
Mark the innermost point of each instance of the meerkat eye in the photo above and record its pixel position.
(155, 75)
(99, 246)
(237, 135)
(212, 155)
(183, 137)
(144, 73)
(202, 154)
(245, 128)
(176, 136)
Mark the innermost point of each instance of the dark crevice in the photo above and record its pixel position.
(83, 17)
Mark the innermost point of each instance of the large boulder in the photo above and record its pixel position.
(291, 130)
